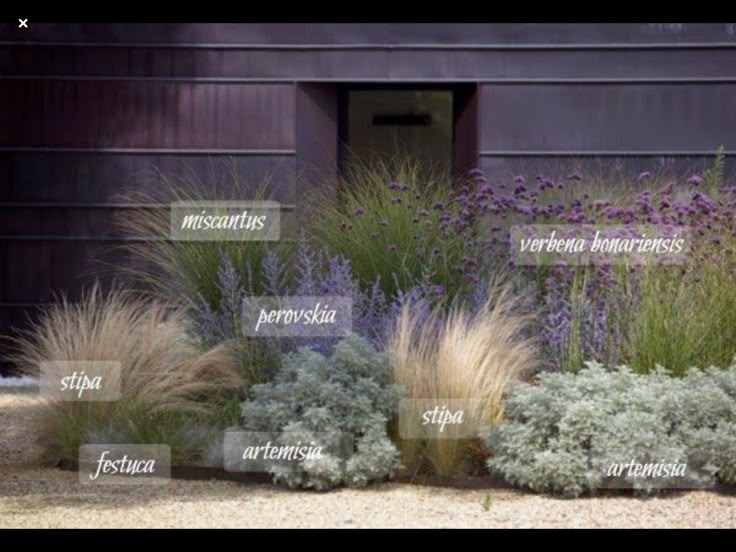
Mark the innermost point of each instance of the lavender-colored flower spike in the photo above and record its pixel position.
(273, 273)
(644, 176)
(695, 180)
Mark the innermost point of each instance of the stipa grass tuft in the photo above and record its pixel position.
(463, 356)
(171, 391)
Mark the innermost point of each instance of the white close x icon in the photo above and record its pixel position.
(22, 23)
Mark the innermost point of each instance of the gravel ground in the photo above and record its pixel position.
(35, 496)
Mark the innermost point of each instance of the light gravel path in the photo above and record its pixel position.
(36, 496)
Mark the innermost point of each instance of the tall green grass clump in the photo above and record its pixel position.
(181, 270)
(685, 318)
(390, 219)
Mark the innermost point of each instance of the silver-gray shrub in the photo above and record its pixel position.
(562, 432)
(348, 392)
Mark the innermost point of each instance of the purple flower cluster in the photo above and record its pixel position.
(443, 240)
(212, 325)
(315, 274)
(579, 305)
(587, 314)
(591, 307)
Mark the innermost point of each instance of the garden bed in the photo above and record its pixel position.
(203, 500)
(485, 482)
(205, 473)
(193, 473)
(426, 374)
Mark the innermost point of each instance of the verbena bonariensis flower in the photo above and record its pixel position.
(481, 215)
(709, 216)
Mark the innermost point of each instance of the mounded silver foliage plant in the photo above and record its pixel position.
(349, 392)
(562, 434)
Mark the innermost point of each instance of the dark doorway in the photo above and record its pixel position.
(436, 124)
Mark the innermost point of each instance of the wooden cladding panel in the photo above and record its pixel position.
(112, 114)
(382, 33)
(621, 118)
(376, 62)
(80, 177)
(37, 270)
(621, 169)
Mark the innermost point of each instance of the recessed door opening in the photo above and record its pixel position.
(422, 122)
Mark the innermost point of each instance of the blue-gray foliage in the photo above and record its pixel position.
(348, 392)
(562, 433)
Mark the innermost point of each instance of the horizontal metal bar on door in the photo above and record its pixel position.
(78, 205)
(151, 151)
(603, 153)
(381, 46)
(347, 80)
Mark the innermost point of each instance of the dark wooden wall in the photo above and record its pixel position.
(86, 108)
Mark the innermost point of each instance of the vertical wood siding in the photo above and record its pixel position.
(85, 109)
